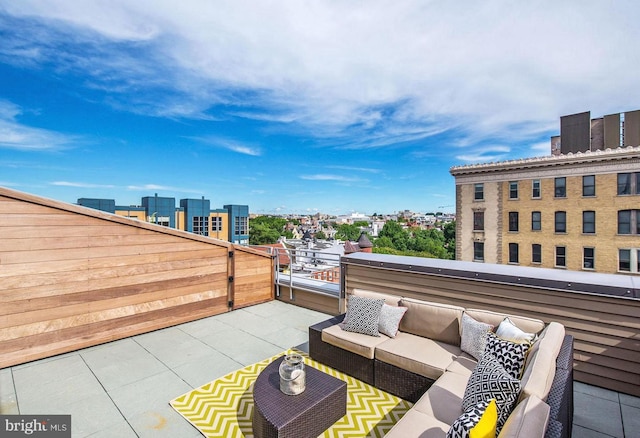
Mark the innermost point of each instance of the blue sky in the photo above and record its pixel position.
(292, 106)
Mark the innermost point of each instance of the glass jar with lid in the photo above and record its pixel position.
(292, 374)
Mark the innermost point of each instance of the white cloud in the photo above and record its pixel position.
(231, 145)
(150, 187)
(82, 185)
(15, 135)
(167, 189)
(487, 153)
(540, 149)
(364, 74)
(327, 177)
(356, 169)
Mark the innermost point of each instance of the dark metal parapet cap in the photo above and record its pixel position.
(619, 285)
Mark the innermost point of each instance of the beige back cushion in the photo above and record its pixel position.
(529, 419)
(529, 325)
(440, 322)
(540, 367)
(389, 299)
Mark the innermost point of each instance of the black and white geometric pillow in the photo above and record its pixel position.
(474, 336)
(511, 354)
(461, 428)
(490, 380)
(363, 315)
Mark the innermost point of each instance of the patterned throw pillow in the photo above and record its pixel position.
(474, 336)
(390, 317)
(478, 422)
(510, 354)
(508, 330)
(489, 380)
(363, 315)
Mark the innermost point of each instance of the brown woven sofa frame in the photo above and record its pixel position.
(411, 386)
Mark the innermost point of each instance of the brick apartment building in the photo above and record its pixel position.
(576, 209)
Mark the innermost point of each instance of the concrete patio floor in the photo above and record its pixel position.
(123, 388)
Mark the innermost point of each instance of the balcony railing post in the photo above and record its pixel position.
(277, 273)
(342, 292)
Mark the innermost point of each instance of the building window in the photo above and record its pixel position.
(629, 260)
(478, 192)
(513, 253)
(589, 185)
(588, 222)
(561, 222)
(536, 253)
(624, 260)
(560, 187)
(536, 221)
(513, 221)
(201, 225)
(588, 258)
(561, 256)
(478, 220)
(535, 189)
(629, 183)
(624, 184)
(241, 225)
(478, 251)
(216, 223)
(629, 222)
(513, 190)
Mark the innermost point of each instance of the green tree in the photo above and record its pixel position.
(398, 235)
(276, 223)
(430, 241)
(261, 234)
(320, 235)
(383, 242)
(347, 232)
(449, 232)
(361, 223)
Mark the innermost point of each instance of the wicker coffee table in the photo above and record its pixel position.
(275, 414)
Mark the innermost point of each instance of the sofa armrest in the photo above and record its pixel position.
(342, 360)
(318, 327)
(560, 398)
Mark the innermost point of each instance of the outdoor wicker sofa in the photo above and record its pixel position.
(433, 373)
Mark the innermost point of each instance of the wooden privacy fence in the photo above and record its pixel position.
(72, 277)
(602, 311)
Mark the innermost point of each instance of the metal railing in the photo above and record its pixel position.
(305, 269)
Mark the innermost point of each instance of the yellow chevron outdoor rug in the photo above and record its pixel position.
(223, 408)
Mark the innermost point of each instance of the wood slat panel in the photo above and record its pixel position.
(62, 341)
(27, 311)
(71, 277)
(30, 281)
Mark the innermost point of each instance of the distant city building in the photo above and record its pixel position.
(230, 223)
(576, 209)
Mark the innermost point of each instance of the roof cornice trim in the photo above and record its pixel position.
(630, 152)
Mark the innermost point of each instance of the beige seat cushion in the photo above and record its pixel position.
(529, 419)
(463, 365)
(389, 299)
(443, 400)
(419, 355)
(417, 424)
(363, 345)
(529, 325)
(540, 367)
(440, 322)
